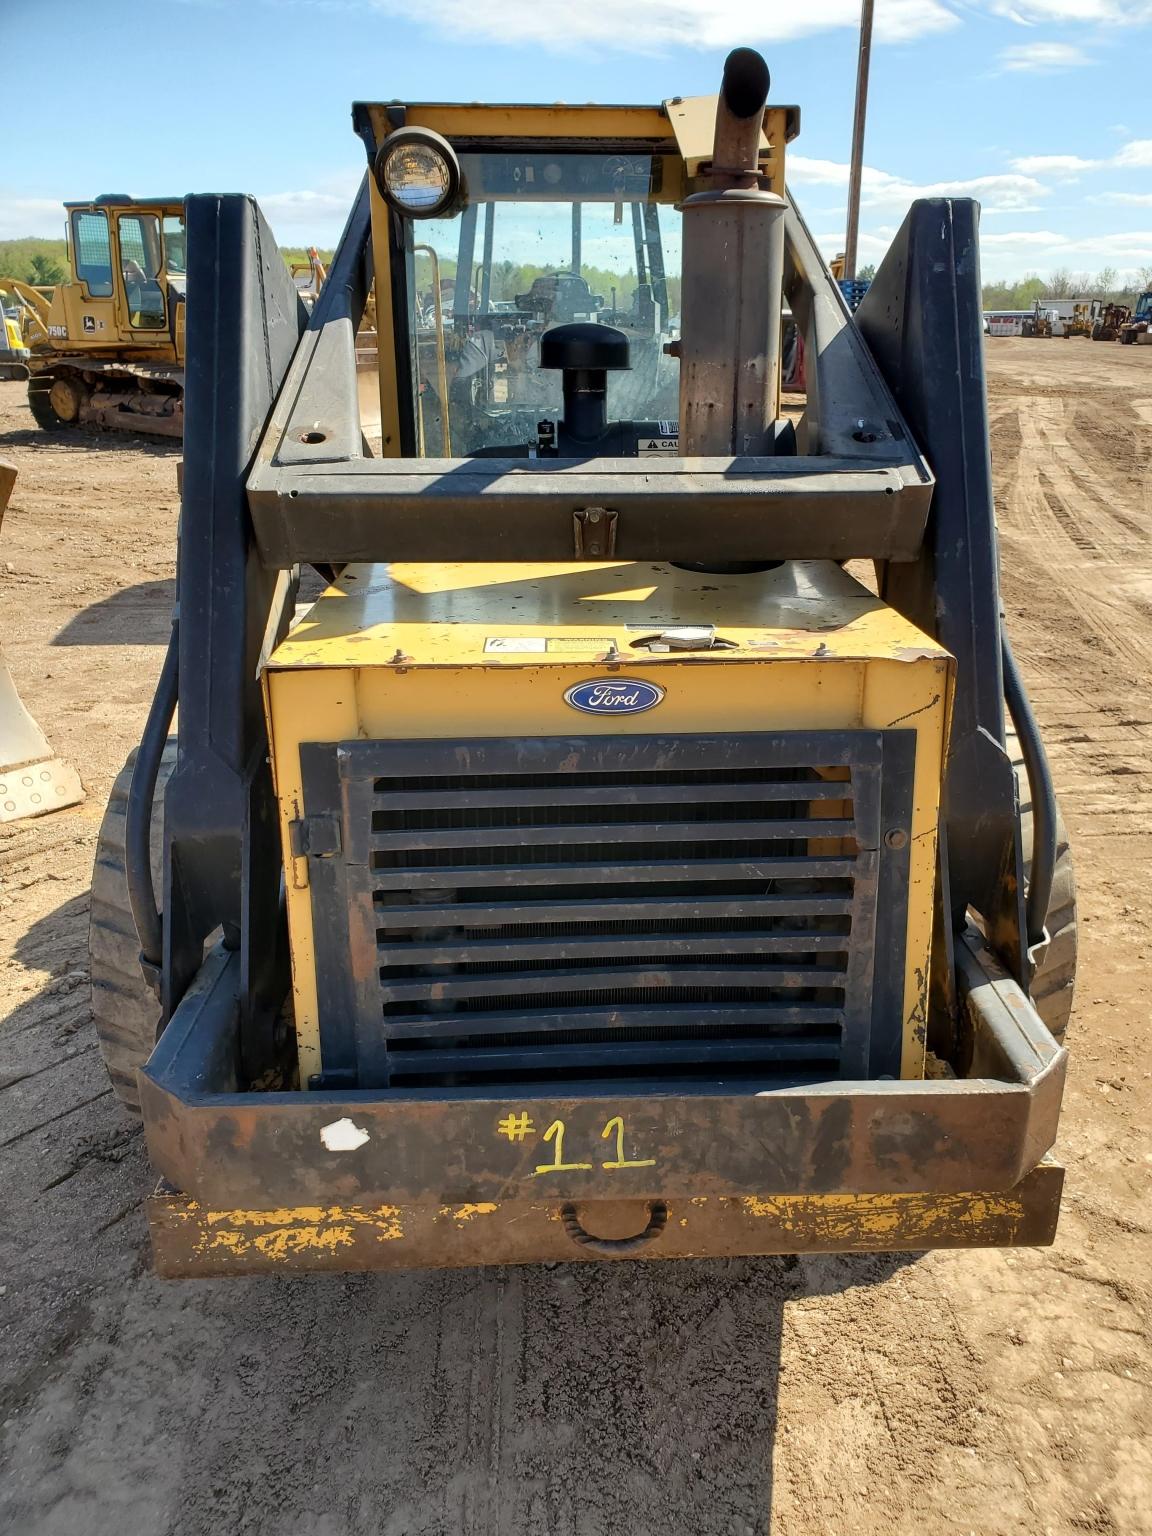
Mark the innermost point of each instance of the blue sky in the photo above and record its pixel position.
(1040, 108)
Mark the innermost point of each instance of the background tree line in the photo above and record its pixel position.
(46, 261)
(511, 280)
(1109, 284)
(43, 262)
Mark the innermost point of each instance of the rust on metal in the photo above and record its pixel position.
(190, 1239)
(840, 1137)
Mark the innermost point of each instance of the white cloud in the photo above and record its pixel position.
(311, 216)
(994, 192)
(1129, 199)
(1136, 153)
(987, 211)
(654, 26)
(1031, 13)
(805, 169)
(1015, 252)
(1063, 166)
(21, 217)
(1037, 237)
(1133, 246)
(1130, 245)
(872, 244)
(1043, 58)
(879, 189)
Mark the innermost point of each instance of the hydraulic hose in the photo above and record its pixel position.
(142, 791)
(1043, 796)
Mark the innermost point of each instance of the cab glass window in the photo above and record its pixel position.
(93, 251)
(140, 262)
(175, 258)
(543, 238)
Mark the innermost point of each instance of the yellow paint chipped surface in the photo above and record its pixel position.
(464, 1213)
(879, 1216)
(339, 1237)
(279, 1234)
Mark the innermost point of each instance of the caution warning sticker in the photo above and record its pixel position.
(581, 643)
(514, 645)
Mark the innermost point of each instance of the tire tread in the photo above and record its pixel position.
(124, 1010)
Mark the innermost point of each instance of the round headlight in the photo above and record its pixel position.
(418, 173)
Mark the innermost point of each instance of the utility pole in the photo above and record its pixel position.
(857, 163)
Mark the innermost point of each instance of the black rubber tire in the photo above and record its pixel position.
(124, 1008)
(1054, 983)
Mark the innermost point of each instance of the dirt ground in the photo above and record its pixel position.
(979, 1393)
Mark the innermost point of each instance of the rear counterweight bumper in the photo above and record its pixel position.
(190, 1240)
(362, 1180)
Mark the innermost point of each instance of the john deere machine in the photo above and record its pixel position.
(598, 867)
(106, 347)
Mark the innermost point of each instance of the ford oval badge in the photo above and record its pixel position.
(614, 696)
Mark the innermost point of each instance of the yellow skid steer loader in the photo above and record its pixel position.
(599, 868)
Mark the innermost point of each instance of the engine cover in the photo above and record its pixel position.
(607, 827)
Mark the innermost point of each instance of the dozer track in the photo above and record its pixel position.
(137, 397)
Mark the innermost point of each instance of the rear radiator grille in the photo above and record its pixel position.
(606, 911)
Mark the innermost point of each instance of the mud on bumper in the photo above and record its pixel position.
(362, 1180)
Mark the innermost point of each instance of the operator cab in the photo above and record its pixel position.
(550, 238)
(132, 252)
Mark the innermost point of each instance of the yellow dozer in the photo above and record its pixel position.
(32, 781)
(106, 347)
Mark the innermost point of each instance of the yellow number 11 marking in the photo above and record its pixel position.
(555, 1132)
(620, 1161)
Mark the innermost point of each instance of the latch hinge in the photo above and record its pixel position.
(316, 837)
(594, 533)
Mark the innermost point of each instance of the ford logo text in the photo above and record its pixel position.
(614, 696)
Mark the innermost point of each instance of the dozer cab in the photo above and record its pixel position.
(598, 866)
(106, 347)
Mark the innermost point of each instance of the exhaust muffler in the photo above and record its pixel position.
(732, 282)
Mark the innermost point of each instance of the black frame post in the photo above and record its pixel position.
(222, 865)
(922, 320)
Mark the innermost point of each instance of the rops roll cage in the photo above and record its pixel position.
(277, 472)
